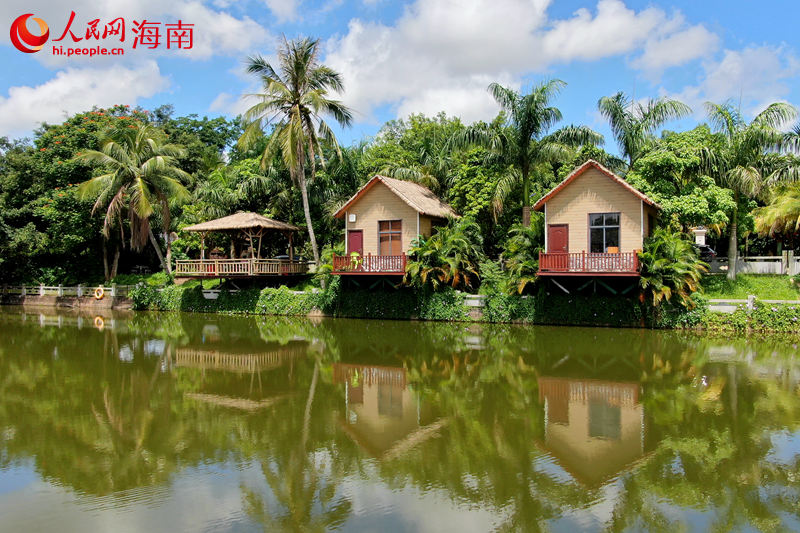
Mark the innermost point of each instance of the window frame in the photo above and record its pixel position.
(392, 234)
(604, 227)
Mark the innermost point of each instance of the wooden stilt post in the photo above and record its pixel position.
(203, 245)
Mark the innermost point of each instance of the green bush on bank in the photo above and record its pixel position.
(764, 317)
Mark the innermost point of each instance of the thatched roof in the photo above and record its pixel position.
(242, 222)
(419, 198)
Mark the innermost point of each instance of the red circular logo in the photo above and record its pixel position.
(24, 40)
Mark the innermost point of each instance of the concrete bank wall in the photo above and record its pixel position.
(69, 302)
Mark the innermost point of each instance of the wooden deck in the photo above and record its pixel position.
(370, 265)
(228, 268)
(588, 264)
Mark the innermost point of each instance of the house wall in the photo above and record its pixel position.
(380, 203)
(594, 192)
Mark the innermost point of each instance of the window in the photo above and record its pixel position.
(603, 232)
(604, 420)
(390, 237)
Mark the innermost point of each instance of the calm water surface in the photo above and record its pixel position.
(182, 422)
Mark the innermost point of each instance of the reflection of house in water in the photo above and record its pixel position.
(593, 428)
(382, 414)
(215, 364)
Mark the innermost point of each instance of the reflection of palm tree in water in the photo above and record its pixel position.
(138, 433)
(307, 496)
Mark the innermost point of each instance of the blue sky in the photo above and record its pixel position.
(419, 56)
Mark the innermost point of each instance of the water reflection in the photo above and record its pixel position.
(300, 425)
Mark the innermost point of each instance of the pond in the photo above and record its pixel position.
(186, 422)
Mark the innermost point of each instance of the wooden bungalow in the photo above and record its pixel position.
(595, 224)
(251, 226)
(381, 220)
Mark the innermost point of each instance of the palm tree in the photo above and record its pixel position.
(520, 253)
(294, 100)
(450, 257)
(524, 142)
(740, 162)
(670, 267)
(781, 215)
(142, 177)
(634, 123)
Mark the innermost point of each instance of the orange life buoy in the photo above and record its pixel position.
(98, 293)
(98, 322)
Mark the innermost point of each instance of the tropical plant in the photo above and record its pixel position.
(524, 140)
(141, 176)
(449, 257)
(295, 98)
(669, 267)
(521, 253)
(781, 215)
(741, 161)
(634, 123)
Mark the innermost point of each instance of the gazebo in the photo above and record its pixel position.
(252, 226)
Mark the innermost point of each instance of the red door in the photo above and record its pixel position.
(558, 238)
(355, 241)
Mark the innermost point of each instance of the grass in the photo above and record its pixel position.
(765, 287)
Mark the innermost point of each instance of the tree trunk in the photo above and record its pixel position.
(307, 212)
(115, 264)
(158, 250)
(526, 198)
(105, 261)
(733, 250)
(169, 254)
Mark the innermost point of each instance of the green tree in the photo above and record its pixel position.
(634, 123)
(521, 253)
(140, 177)
(740, 161)
(295, 97)
(524, 140)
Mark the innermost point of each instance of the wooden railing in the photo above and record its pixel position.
(369, 264)
(191, 268)
(589, 263)
(61, 291)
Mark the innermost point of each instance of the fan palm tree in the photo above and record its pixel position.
(634, 123)
(295, 98)
(741, 163)
(524, 140)
(141, 176)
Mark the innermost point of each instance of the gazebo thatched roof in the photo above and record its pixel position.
(247, 222)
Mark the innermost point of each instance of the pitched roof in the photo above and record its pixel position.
(603, 170)
(419, 198)
(242, 221)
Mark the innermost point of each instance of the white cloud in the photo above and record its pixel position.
(231, 104)
(677, 49)
(283, 9)
(74, 90)
(441, 54)
(758, 75)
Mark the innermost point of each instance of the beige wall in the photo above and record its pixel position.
(380, 203)
(594, 192)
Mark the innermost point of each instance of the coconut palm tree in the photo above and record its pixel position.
(141, 176)
(744, 161)
(634, 123)
(781, 215)
(294, 101)
(525, 141)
